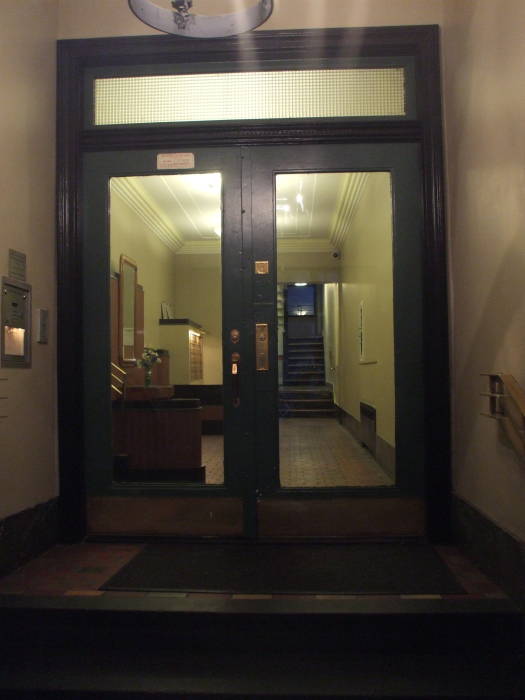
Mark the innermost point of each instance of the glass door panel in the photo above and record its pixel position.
(167, 407)
(335, 335)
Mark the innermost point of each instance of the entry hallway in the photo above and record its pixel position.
(313, 452)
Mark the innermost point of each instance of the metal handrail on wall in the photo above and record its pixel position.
(507, 405)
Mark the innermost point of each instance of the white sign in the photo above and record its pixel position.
(175, 161)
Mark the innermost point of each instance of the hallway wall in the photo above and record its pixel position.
(367, 281)
(484, 55)
(28, 461)
(155, 263)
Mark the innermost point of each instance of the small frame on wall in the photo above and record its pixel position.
(127, 310)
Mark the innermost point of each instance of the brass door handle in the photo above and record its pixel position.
(236, 383)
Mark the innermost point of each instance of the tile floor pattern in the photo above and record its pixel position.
(81, 569)
(313, 452)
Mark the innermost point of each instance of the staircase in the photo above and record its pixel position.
(304, 362)
(303, 403)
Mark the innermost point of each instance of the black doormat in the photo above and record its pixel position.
(375, 568)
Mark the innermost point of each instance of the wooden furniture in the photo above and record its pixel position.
(212, 401)
(158, 440)
(155, 392)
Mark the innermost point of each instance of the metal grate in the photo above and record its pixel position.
(293, 94)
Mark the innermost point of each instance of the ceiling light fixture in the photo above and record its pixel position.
(182, 22)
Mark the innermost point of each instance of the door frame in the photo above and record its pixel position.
(75, 57)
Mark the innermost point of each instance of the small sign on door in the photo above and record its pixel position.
(175, 161)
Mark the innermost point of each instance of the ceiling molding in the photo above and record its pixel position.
(350, 197)
(132, 194)
(200, 248)
(304, 245)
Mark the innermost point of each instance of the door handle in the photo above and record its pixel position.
(236, 381)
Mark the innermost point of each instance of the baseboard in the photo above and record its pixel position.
(385, 454)
(497, 553)
(27, 534)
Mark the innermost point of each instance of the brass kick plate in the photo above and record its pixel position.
(261, 347)
(262, 267)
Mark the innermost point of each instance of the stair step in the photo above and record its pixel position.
(302, 382)
(305, 351)
(307, 412)
(307, 405)
(318, 395)
(153, 622)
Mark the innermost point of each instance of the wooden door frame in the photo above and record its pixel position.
(73, 139)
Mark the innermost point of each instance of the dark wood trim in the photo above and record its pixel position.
(249, 134)
(421, 42)
(27, 534)
(435, 310)
(496, 552)
(350, 517)
(72, 515)
(178, 516)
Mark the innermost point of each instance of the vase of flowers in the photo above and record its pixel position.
(149, 358)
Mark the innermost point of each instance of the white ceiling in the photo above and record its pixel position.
(313, 210)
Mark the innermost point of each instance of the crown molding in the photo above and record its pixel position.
(348, 204)
(130, 193)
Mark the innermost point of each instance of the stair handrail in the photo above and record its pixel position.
(118, 379)
(507, 405)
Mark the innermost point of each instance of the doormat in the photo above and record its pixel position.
(371, 568)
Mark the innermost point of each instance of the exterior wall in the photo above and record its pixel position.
(484, 104)
(28, 461)
(366, 277)
(484, 54)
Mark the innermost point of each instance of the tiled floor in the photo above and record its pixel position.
(81, 569)
(313, 452)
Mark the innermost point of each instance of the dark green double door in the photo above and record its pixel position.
(216, 236)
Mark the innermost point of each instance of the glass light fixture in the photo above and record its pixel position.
(181, 21)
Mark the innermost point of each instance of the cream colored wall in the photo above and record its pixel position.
(97, 18)
(366, 276)
(155, 262)
(306, 267)
(198, 296)
(28, 456)
(331, 334)
(484, 55)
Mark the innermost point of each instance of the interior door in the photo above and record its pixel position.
(242, 430)
(339, 446)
